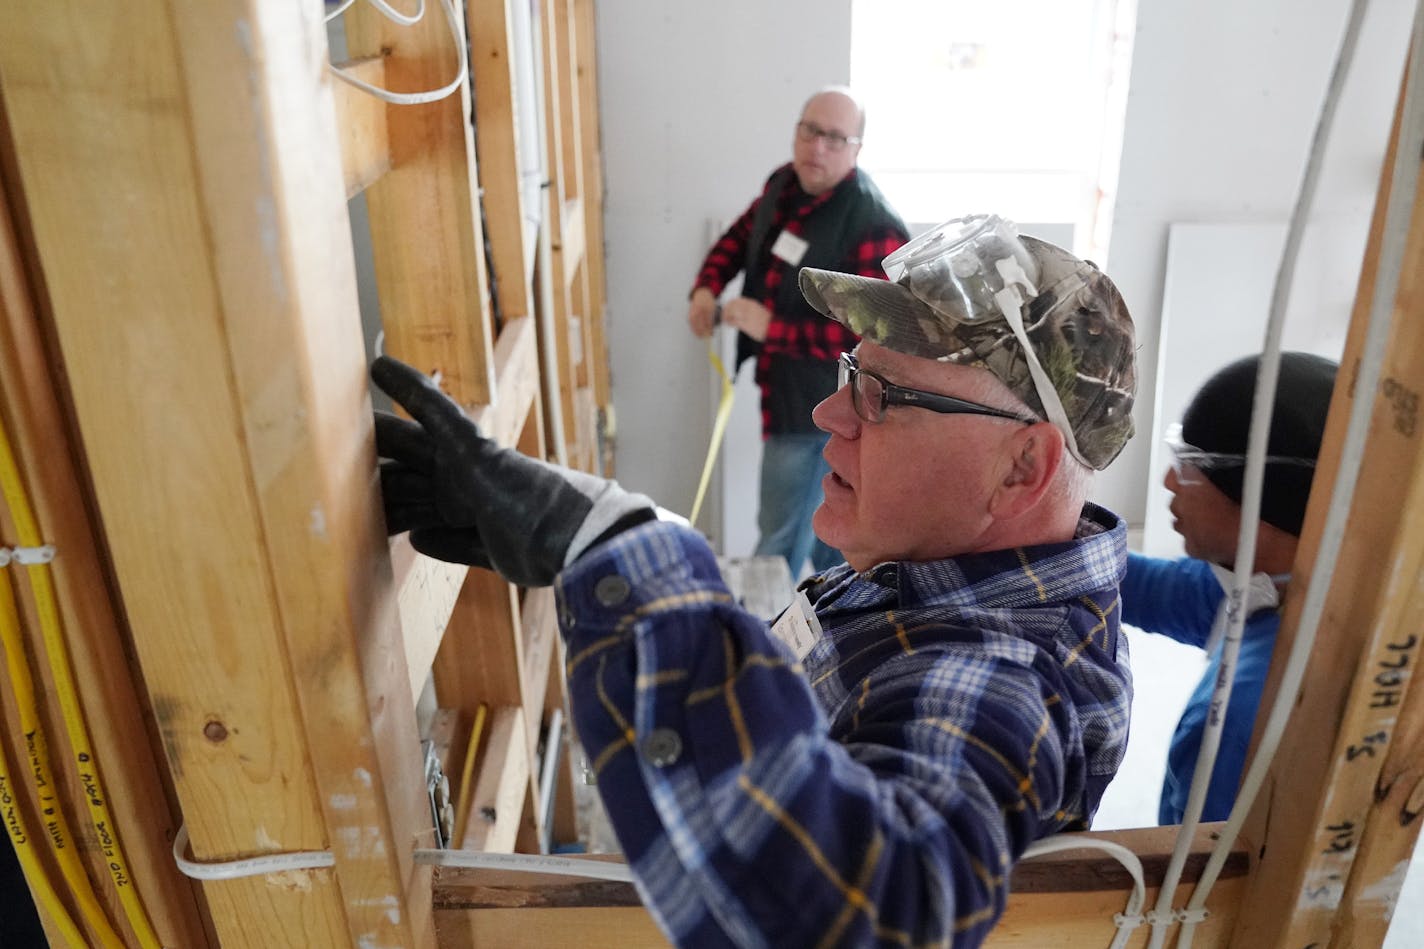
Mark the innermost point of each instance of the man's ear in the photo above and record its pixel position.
(1033, 454)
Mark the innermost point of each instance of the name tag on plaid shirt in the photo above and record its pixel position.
(789, 248)
(798, 627)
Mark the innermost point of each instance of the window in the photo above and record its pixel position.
(1013, 107)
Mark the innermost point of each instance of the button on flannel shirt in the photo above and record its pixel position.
(811, 336)
(877, 792)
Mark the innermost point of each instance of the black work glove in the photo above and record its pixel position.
(465, 499)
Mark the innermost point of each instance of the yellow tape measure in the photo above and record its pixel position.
(719, 427)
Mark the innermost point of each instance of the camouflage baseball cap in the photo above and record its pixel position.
(943, 301)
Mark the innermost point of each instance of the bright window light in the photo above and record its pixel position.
(1013, 107)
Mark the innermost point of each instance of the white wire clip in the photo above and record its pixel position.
(1161, 917)
(1193, 916)
(1128, 922)
(27, 556)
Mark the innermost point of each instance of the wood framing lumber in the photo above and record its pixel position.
(555, 446)
(1391, 834)
(1063, 899)
(555, 332)
(197, 260)
(540, 634)
(586, 68)
(479, 657)
(361, 119)
(1328, 796)
(563, 51)
(502, 787)
(573, 230)
(122, 747)
(572, 243)
(601, 928)
(428, 594)
(565, 819)
(429, 589)
(492, 65)
(426, 236)
(516, 360)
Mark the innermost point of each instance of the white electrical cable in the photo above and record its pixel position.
(1252, 488)
(414, 98)
(1131, 917)
(527, 863)
(1403, 186)
(1257, 442)
(396, 16)
(345, 5)
(317, 859)
(247, 867)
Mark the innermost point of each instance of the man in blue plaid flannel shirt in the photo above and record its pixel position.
(866, 771)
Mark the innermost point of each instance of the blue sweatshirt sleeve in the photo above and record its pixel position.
(1176, 598)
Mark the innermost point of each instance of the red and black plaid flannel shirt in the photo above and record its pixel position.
(804, 338)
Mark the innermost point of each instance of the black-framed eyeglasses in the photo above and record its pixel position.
(872, 395)
(835, 141)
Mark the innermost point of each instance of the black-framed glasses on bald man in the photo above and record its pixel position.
(871, 395)
(835, 141)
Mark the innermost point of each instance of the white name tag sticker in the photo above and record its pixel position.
(789, 248)
(798, 626)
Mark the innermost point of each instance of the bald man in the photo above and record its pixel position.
(819, 211)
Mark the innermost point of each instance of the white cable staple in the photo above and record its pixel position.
(1130, 918)
(27, 556)
(249, 866)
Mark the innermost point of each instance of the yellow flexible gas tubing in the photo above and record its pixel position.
(40, 884)
(62, 672)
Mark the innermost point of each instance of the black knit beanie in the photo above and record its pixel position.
(1219, 420)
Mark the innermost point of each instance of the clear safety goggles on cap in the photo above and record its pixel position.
(1191, 464)
(975, 269)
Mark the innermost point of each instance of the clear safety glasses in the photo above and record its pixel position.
(976, 269)
(1191, 464)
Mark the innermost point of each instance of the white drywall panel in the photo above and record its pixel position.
(1218, 292)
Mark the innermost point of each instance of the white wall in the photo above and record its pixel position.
(1222, 102)
(698, 102)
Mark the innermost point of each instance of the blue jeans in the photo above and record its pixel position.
(791, 472)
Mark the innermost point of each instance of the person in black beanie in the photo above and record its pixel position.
(1186, 598)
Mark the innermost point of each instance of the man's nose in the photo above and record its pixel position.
(835, 414)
